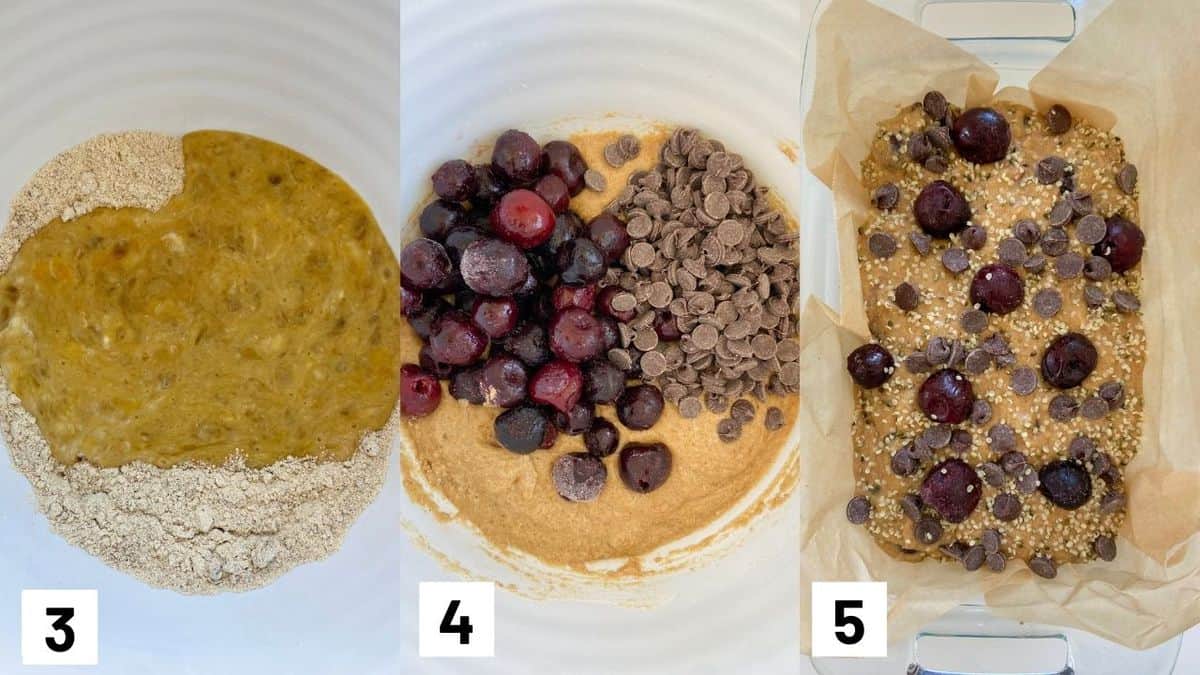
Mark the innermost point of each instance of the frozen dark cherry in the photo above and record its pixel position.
(997, 288)
(667, 327)
(522, 429)
(424, 265)
(411, 301)
(1066, 483)
(503, 381)
(604, 302)
(564, 160)
(1122, 244)
(496, 316)
(517, 158)
(870, 365)
(1068, 361)
(459, 238)
(549, 438)
(439, 217)
(528, 343)
(429, 364)
(558, 384)
(602, 439)
(577, 420)
(552, 189)
(981, 135)
(455, 181)
(567, 226)
(952, 488)
(580, 261)
(644, 467)
(491, 186)
(610, 332)
(603, 382)
(946, 396)
(610, 236)
(493, 267)
(422, 320)
(456, 340)
(575, 335)
(579, 477)
(420, 392)
(467, 385)
(566, 296)
(523, 218)
(639, 407)
(941, 210)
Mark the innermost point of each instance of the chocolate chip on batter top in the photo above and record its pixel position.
(1043, 350)
(711, 275)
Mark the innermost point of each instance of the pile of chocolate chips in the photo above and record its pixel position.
(502, 288)
(707, 289)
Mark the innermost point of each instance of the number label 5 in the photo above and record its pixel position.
(457, 619)
(849, 619)
(59, 628)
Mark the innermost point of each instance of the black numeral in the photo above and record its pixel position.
(855, 626)
(463, 627)
(64, 615)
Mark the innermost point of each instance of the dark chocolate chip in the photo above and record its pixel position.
(1093, 296)
(919, 147)
(955, 260)
(990, 539)
(1047, 302)
(974, 237)
(1058, 119)
(1093, 408)
(981, 412)
(886, 196)
(882, 245)
(1112, 502)
(1055, 242)
(1050, 169)
(921, 242)
(996, 562)
(1126, 302)
(973, 558)
(1061, 213)
(937, 350)
(937, 437)
(858, 510)
(1105, 548)
(974, 321)
(910, 506)
(1068, 265)
(1063, 408)
(1035, 263)
(1002, 438)
(1081, 202)
(728, 430)
(1006, 507)
(1127, 178)
(1024, 381)
(960, 441)
(1027, 231)
(907, 296)
(1091, 229)
(1097, 268)
(917, 363)
(936, 163)
(1013, 462)
(978, 361)
(927, 531)
(1114, 393)
(992, 474)
(904, 461)
(1043, 567)
(935, 105)
(1081, 448)
(1012, 252)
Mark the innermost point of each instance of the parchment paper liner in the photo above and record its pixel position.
(1134, 70)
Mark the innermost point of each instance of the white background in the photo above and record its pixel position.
(322, 76)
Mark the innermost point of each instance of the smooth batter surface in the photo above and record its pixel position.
(511, 498)
(999, 194)
(256, 312)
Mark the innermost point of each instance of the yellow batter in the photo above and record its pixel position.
(256, 312)
(511, 498)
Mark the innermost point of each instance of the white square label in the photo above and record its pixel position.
(60, 628)
(457, 618)
(849, 618)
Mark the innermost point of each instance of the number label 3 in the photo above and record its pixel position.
(59, 628)
(457, 619)
(849, 619)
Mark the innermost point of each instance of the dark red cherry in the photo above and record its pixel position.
(496, 316)
(523, 218)
(422, 321)
(870, 365)
(640, 407)
(431, 365)
(455, 181)
(491, 186)
(578, 476)
(459, 238)
(456, 340)
(952, 488)
(604, 304)
(667, 328)
(439, 217)
(946, 396)
(575, 335)
(603, 382)
(577, 420)
(528, 342)
(1122, 244)
(564, 160)
(522, 429)
(1066, 483)
(424, 265)
(420, 392)
(493, 267)
(411, 301)
(558, 384)
(567, 226)
(580, 261)
(503, 381)
(644, 467)
(608, 233)
(610, 332)
(997, 288)
(467, 385)
(981, 135)
(517, 158)
(1068, 361)
(550, 437)
(602, 439)
(552, 189)
(566, 296)
(941, 210)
